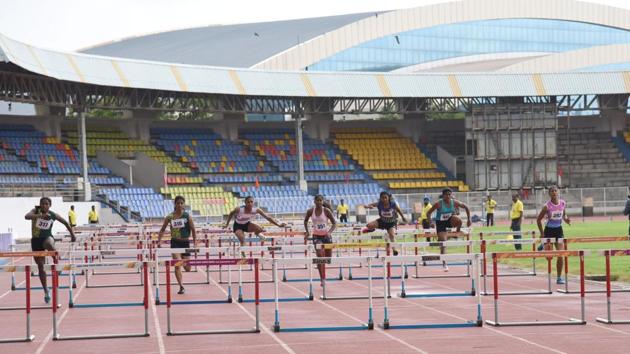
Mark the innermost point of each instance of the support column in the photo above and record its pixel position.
(300, 154)
(87, 191)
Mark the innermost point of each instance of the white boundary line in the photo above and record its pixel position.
(156, 322)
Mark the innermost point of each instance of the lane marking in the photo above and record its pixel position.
(156, 322)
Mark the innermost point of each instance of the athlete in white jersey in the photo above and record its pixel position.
(243, 220)
(320, 217)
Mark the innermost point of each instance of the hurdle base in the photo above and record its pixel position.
(18, 340)
(113, 286)
(609, 321)
(122, 304)
(236, 282)
(226, 331)
(201, 302)
(441, 276)
(564, 291)
(286, 299)
(412, 295)
(432, 325)
(101, 336)
(571, 321)
(24, 308)
(277, 328)
(540, 292)
(301, 280)
(358, 297)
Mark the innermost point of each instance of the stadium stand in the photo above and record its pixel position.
(144, 201)
(205, 201)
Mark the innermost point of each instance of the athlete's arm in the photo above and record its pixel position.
(541, 215)
(270, 219)
(229, 217)
(401, 214)
(32, 215)
(192, 230)
(67, 225)
(161, 233)
(370, 206)
(309, 212)
(333, 222)
(462, 205)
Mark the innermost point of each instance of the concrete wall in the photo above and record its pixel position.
(14, 209)
(118, 167)
(148, 172)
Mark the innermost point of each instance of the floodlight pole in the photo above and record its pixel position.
(301, 182)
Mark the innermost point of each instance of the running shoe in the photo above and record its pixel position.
(560, 281)
(46, 298)
(181, 290)
(395, 251)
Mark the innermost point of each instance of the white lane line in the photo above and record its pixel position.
(63, 315)
(408, 345)
(156, 322)
(262, 327)
(464, 319)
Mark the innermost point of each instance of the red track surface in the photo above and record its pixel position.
(592, 337)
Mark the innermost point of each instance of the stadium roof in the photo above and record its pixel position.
(134, 73)
(240, 46)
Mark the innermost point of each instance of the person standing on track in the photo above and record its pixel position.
(388, 211)
(555, 211)
(445, 218)
(93, 216)
(182, 227)
(243, 217)
(42, 219)
(322, 233)
(490, 205)
(72, 217)
(342, 212)
(516, 217)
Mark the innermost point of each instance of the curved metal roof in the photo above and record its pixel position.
(241, 45)
(118, 72)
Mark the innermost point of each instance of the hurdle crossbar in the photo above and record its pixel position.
(544, 254)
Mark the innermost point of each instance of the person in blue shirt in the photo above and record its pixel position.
(446, 218)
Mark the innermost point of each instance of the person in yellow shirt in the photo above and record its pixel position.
(93, 216)
(424, 220)
(516, 215)
(72, 217)
(342, 212)
(490, 205)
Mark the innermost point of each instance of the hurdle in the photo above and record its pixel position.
(521, 241)
(139, 254)
(193, 262)
(212, 262)
(468, 257)
(484, 271)
(544, 254)
(609, 319)
(27, 270)
(12, 256)
(145, 303)
(323, 260)
(568, 241)
(416, 244)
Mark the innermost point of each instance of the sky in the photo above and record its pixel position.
(70, 25)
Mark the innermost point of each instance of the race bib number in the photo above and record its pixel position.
(387, 213)
(44, 224)
(178, 223)
(445, 217)
(556, 215)
(320, 227)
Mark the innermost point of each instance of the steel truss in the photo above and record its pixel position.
(20, 86)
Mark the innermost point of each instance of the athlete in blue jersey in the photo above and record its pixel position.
(388, 211)
(445, 217)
